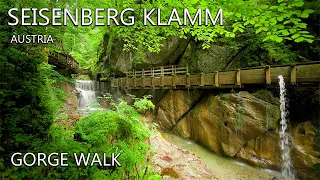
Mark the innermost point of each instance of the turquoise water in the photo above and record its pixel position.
(222, 167)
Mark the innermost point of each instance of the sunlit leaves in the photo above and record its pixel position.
(276, 21)
(305, 13)
(295, 36)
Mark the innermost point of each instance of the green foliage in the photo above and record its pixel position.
(144, 104)
(83, 45)
(270, 24)
(317, 169)
(275, 21)
(83, 77)
(108, 131)
(28, 101)
(29, 94)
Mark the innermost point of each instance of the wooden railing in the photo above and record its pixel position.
(63, 61)
(168, 77)
(158, 72)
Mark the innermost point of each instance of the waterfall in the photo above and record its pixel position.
(87, 92)
(287, 170)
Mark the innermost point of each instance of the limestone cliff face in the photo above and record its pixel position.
(174, 51)
(174, 105)
(225, 123)
(214, 58)
(238, 125)
(120, 61)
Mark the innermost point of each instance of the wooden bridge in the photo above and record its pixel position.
(64, 62)
(170, 77)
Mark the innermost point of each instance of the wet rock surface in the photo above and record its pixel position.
(71, 103)
(69, 113)
(173, 162)
(225, 123)
(305, 156)
(174, 105)
(239, 125)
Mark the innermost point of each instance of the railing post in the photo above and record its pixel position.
(187, 69)
(142, 77)
(152, 80)
(127, 80)
(173, 77)
(115, 82)
(187, 77)
(162, 77)
(134, 78)
(216, 78)
(123, 81)
(293, 77)
(268, 75)
(202, 79)
(239, 77)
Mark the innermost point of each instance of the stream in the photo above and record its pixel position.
(223, 167)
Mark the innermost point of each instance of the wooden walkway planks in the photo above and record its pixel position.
(64, 61)
(171, 77)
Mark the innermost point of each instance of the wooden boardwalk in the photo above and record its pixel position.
(64, 61)
(170, 77)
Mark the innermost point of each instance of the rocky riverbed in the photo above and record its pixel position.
(174, 162)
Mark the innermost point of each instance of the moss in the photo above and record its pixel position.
(317, 169)
(196, 110)
(239, 121)
(266, 96)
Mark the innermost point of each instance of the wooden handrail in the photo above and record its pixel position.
(170, 77)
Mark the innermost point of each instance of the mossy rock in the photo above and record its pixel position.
(266, 96)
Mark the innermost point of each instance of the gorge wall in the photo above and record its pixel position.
(239, 125)
(242, 125)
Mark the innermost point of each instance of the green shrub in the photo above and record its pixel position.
(144, 104)
(106, 131)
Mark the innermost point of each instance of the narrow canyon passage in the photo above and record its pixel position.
(223, 167)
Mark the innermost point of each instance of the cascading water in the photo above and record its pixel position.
(287, 170)
(88, 97)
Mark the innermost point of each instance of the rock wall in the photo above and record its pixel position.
(238, 125)
(214, 58)
(119, 61)
(70, 104)
(174, 51)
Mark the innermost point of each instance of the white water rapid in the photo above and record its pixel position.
(88, 99)
(287, 170)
